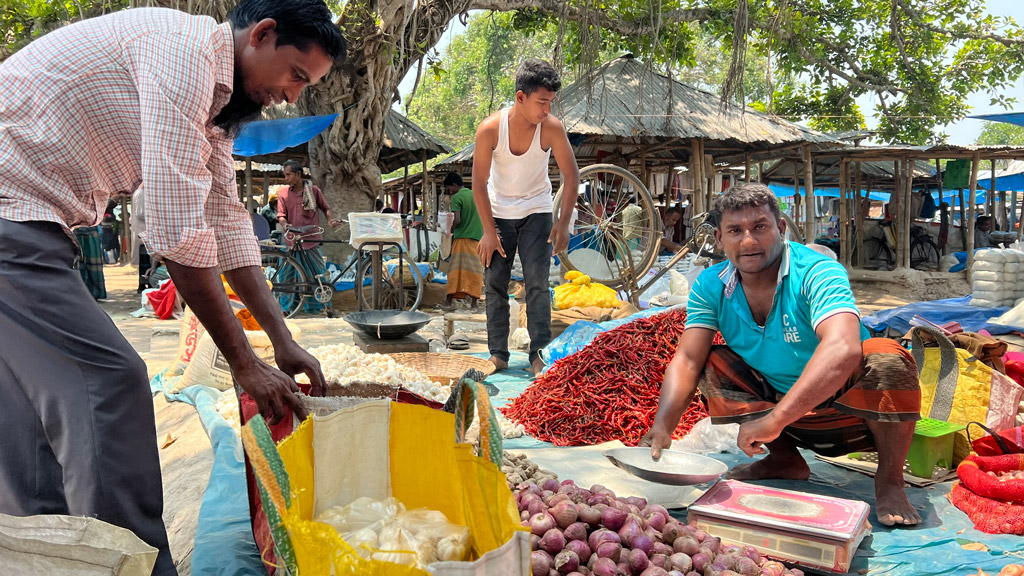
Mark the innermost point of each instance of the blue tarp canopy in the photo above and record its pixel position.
(269, 136)
(1008, 117)
(951, 196)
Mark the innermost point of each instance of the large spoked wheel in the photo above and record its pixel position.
(617, 232)
(924, 255)
(396, 293)
(287, 279)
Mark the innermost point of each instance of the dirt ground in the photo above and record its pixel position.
(186, 456)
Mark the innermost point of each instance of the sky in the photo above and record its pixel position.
(963, 132)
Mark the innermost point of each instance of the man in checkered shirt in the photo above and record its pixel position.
(142, 97)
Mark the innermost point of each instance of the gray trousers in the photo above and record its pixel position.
(530, 237)
(77, 429)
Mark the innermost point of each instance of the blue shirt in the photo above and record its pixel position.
(811, 289)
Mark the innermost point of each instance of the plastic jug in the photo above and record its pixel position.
(513, 318)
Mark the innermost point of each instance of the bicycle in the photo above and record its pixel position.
(615, 244)
(924, 253)
(291, 282)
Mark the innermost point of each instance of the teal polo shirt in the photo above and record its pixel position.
(811, 289)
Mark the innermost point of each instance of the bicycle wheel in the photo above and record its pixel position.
(616, 216)
(287, 279)
(393, 295)
(878, 249)
(793, 229)
(924, 254)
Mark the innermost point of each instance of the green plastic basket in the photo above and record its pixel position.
(932, 445)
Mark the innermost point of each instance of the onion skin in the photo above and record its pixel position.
(604, 567)
(660, 548)
(680, 562)
(553, 541)
(576, 531)
(567, 561)
(654, 571)
(613, 519)
(687, 545)
(654, 520)
(580, 548)
(642, 542)
(564, 513)
(550, 484)
(608, 549)
(638, 561)
(659, 560)
(588, 514)
(700, 561)
(540, 563)
(541, 523)
(602, 535)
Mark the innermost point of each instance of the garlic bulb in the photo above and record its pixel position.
(343, 364)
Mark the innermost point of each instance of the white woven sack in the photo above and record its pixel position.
(991, 255)
(55, 545)
(987, 286)
(986, 276)
(1011, 268)
(983, 303)
(986, 266)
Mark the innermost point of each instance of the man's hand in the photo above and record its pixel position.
(559, 237)
(755, 434)
(294, 359)
(272, 390)
(488, 244)
(334, 222)
(658, 439)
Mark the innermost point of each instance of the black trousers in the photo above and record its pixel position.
(77, 428)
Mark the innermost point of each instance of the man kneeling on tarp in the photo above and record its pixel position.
(798, 370)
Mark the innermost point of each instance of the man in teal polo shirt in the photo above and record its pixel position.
(798, 369)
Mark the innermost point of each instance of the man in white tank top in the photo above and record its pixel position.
(513, 195)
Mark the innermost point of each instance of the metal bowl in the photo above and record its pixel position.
(388, 324)
(675, 468)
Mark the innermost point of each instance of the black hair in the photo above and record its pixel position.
(378, 204)
(748, 195)
(983, 219)
(452, 178)
(294, 165)
(534, 74)
(299, 23)
(674, 210)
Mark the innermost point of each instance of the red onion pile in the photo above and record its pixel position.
(581, 532)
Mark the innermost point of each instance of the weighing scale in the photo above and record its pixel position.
(817, 532)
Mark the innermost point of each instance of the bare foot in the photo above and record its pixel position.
(537, 366)
(498, 363)
(784, 466)
(892, 507)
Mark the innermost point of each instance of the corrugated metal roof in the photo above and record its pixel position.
(623, 105)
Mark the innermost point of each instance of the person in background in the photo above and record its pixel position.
(140, 255)
(300, 205)
(799, 369)
(150, 97)
(512, 192)
(90, 264)
(465, 273)
(108, 231)
(269, 212)
(983, 233)
(672, 216)
(378, 206)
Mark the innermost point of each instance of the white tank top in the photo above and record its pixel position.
(519, 185)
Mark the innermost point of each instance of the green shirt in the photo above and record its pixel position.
(469, 221)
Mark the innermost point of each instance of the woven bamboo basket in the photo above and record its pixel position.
(443, 368)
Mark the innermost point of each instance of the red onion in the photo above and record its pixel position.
(534, 542)
(576, 531)
(654, 520)
(567, 561)
(712, 542)
(537, 507)
(700, 534)
(580, 548)
(612, 518)
(753, 554)
(525, 517)
(553, 572)
(608, 550)
(553, 541)
(678, 573)
(604, 567)
(638, 561)
(642, 542)
(564, 513)
(687, 545)
(568, 482)
(707, 552)
(637, 501)
(671, 531)
(530, 488)
(659, 509)
(715, 569)
(700, 561)
(555, 499)
(550, 484)
(660, 548)
(589, 515)
(596, 499)
(680, 561)
(540, 563)
(567, 489)
(547, 494)
(630, 529)
(747, 567)
(623, 569)
(653, 534)
(654, 571)
(541, 523)
(526, 497)
(772, 568)
(633, 509)
(574, 574)
(659, 560)
(602, 535)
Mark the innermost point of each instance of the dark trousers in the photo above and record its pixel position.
(530, 237)
(144, 263)
(77, 429)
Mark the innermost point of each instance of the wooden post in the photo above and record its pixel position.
(429, 217)
(908, 219)
(999, 212)
(942, 212)
(266, 188)
(990, 198)
(861, 214)
(126, 232)
(708, 172)
(248, 184)
(796, 194)
(809, 222)
(975, 161)
(895, 207)
(746, 173)
(963, 219)
(696, 163)
(844, 224)
(760, 172)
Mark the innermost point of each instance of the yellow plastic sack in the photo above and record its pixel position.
(579, 291)
(379, 449)
(957, 387)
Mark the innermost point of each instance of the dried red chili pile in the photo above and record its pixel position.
(609, 390)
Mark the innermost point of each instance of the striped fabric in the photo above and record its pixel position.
(91, 262)
(885, 389)
(465, 272)
(105, 105)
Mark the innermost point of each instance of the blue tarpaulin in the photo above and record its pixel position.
(269, 136)
(971, 318)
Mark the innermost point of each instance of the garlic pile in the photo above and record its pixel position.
(509, 429)
(343, 364)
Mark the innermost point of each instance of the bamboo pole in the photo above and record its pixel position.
(796, 194)
(908, 219)
(971, 218)
(809, 194)
(895, 205)
(266, 188)
(963, 219)
(760, 172)
(429, 219)
(942, 212)
(861, 214)
(844, 225)
(696, 163)
(248, 185)
(746, 173)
